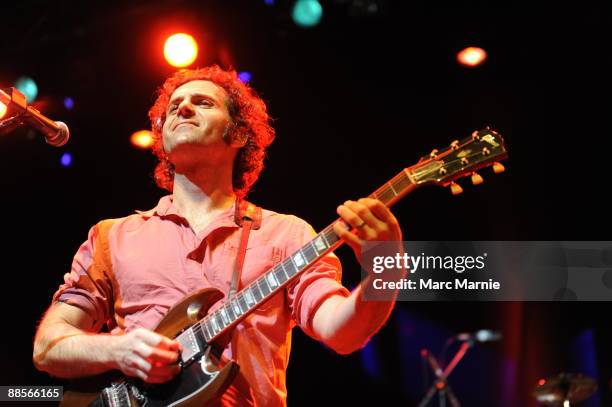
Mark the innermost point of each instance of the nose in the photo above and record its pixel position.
(185, 109)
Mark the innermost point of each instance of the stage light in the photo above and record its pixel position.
(68, 103)
(244, 76)
(180, 50)
(142, 139)
(2, 110)
(28, 87)
(307, 13)
(66, 160)
(471, 56)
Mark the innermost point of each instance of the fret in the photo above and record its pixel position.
(257, 293)
(386, 195)
(236, 308)
(224, 316)
(230, 311)
(263, 285)
(392, 189)
(217, 318)
(280, 266)
(213, 324)
(199, 335)
(250, 300)
(280, 274)
(403, 180)
(319, 244)
(298, 259)
(206, 325)
(243, 304)
(309, 251)
(322, 234)
(288, 262)
(271, 280)
(330, 236)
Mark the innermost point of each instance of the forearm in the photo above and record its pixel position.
(346, 324)
(65, 351)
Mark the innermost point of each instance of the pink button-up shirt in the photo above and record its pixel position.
(130, 271)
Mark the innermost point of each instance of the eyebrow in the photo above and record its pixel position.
(201, 95)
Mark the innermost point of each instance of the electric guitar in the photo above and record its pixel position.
(204, 376)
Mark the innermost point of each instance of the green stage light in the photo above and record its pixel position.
(28, 87)
(307, 13)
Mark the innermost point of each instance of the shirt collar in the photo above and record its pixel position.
(165, 209)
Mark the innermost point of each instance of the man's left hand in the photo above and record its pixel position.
(369, 220)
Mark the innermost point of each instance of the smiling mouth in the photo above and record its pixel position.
(185, 124)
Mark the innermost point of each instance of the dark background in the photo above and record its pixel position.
(355, 99)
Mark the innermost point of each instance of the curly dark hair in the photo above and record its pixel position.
(249, 116)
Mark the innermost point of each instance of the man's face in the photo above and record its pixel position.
(197, 116)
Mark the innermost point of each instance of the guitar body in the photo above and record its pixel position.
(200, 381)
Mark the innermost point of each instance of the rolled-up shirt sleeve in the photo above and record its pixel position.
(87, 285)
(321, 281)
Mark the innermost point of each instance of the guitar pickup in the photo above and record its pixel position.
(189, 344)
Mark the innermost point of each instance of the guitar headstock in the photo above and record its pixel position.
(462, 158)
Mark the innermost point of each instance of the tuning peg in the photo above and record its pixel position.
(434, 154)
(455, 188)
(498, 168)
(454, 145)
(476, 179)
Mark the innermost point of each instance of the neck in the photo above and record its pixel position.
(203, 192)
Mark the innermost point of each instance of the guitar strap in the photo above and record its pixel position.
(247, 216)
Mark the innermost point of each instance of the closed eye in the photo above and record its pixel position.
(204, 102)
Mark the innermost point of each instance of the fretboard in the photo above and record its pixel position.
(265, 286)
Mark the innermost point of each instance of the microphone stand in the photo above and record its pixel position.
(16, 101)
(10, 124)
(440, 384)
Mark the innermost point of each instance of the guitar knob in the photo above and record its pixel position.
(476, 179)
(498, 168)
(455, 188)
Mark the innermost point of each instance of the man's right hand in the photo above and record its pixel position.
(147, 355)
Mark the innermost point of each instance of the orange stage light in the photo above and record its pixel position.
(142, 139)
(180, 50)
(2, 110)
(471, 56)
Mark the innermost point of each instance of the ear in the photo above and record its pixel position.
(239, 140)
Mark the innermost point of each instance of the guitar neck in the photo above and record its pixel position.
(264, 287)
(461, 158)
